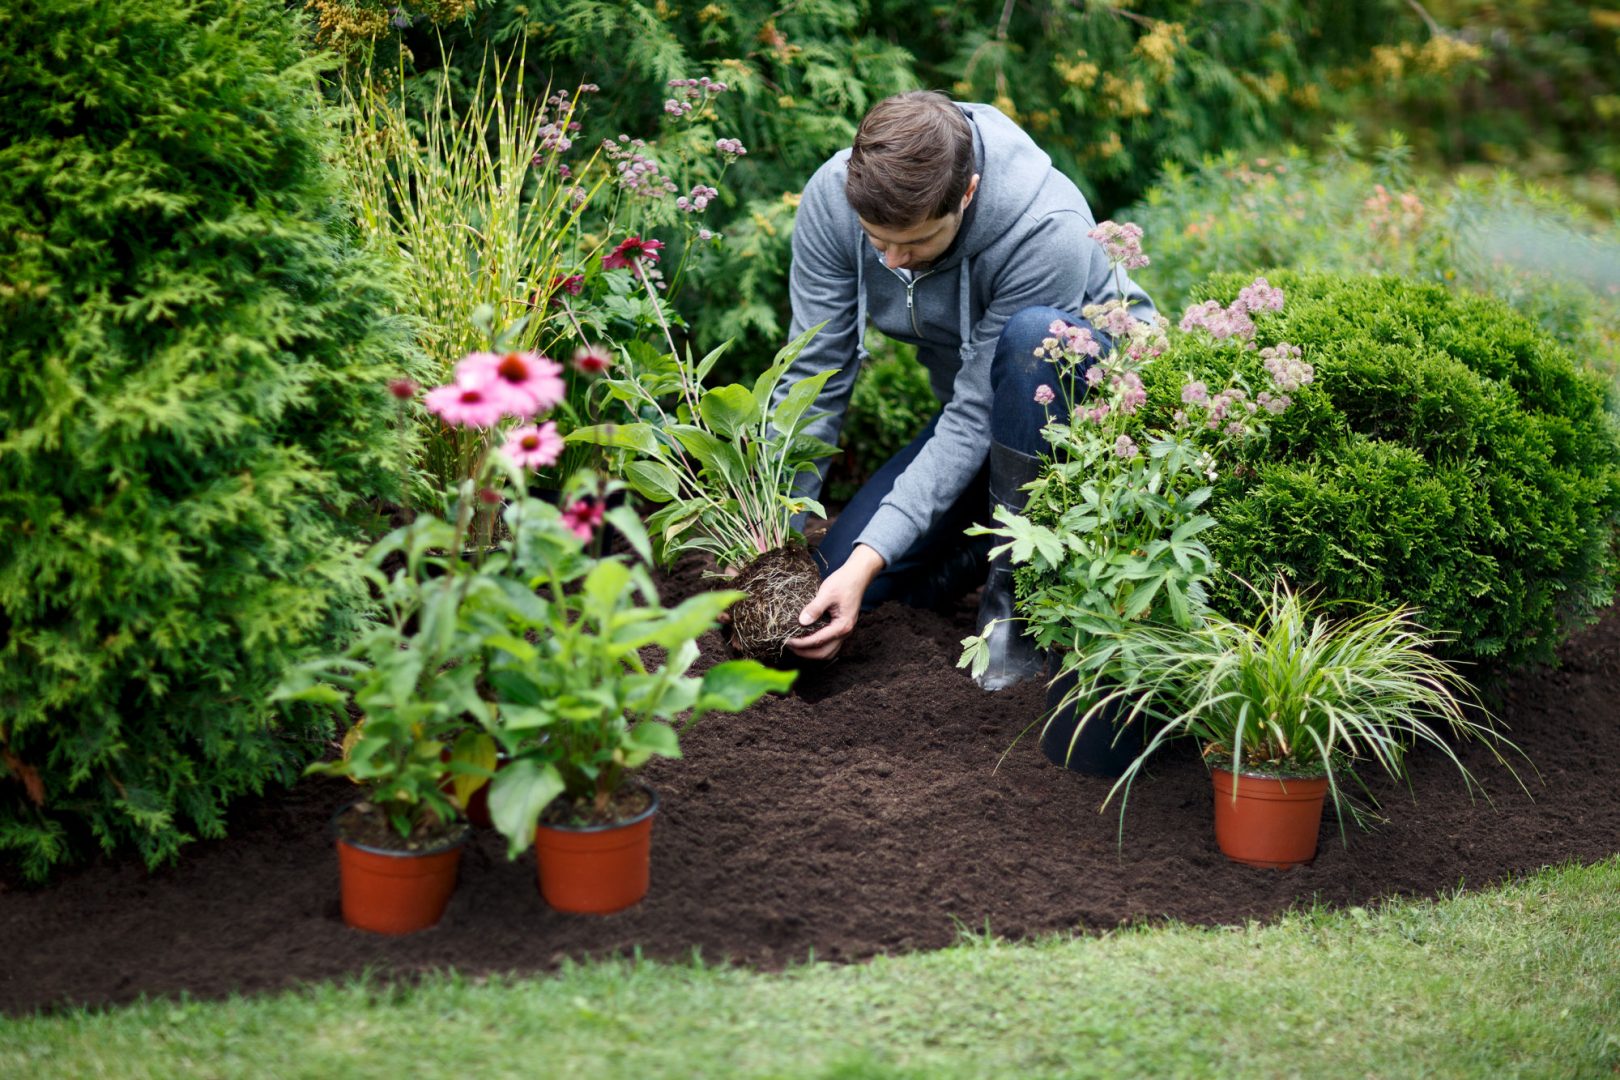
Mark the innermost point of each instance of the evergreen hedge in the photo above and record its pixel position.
(1450, 455)
(193, 404)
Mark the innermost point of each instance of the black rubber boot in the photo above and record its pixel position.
(1013, 657)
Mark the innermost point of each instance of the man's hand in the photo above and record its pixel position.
(840, 599)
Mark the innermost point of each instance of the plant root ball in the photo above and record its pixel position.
(779, 584)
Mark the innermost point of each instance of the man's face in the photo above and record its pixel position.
(915, 247)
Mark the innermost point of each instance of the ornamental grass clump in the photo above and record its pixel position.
(194, 417)
(1294, 693)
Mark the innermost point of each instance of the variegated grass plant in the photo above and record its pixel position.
(482, 217)
(1293, 693)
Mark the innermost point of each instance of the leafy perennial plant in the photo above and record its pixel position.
(1111, 532)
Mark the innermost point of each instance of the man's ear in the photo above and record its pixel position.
(972, 189)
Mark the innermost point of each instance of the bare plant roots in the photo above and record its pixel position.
(779, 584)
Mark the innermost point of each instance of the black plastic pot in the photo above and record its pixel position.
(1097, 752)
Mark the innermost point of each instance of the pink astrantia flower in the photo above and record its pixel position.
(534, 446)
(583, 517)
(403, 389)
(531, 383)
(1122, 243)
(1125, 447)
(1113, 318)
(1194, 393)
(1285, 367)
(1094, 375)
(592, 360)
(1260, 296)
(467, 403)
(1132, 395)
(630, 253)
(1044, 395)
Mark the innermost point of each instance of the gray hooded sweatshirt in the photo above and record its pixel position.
(1022, 243)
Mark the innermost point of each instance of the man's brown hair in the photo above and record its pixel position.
(912, 160)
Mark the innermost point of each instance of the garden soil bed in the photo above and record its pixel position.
(863, 814)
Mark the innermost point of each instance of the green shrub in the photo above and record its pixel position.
(1448, 455)
(193, 402)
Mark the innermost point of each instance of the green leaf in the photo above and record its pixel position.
(728, 409)
(691, 618)
(734, 685)
(803, 394)
(706, 365)
(629, 524)
(517, 796)
(642, 438)
(604, 586)
(517, 646)
(697, 442)
(653, 480)
(512, 685)
(650, 738)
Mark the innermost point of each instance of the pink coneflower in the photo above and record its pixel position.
(534, 446)
(583, 517)
(630, 253)
(564, 283)
(531, 383)
(592, 360)
(467, 403)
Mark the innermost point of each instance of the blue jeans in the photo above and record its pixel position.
(943, 564)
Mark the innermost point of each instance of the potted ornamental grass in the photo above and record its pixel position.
(1290, 709)
(591, 678)
(720, 462)
(1112, 532)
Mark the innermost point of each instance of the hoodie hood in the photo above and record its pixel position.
(1002, 153)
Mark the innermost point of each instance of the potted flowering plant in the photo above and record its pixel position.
(1287, 708)
(581, 708)
(1110, 535)
(722, 462)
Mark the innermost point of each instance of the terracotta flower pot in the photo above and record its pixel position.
(597, 869)
(396, 892)
(1272, 823)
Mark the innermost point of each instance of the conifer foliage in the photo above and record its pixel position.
(193, 403)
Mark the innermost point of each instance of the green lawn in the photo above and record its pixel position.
(1521, 980)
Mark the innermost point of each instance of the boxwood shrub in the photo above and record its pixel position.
(193, 403)
(1449, 455)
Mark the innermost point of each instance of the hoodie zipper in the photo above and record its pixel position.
(910, 284)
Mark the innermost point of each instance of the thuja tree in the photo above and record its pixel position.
(193, 402)
(1448, 454)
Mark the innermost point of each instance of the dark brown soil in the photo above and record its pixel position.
(864, 814)
(368, 826)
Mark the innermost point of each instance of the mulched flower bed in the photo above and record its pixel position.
(864, 814)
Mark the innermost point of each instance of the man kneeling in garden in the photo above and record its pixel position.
(949, 228)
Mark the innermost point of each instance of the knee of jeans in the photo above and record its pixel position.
(1015, 350)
